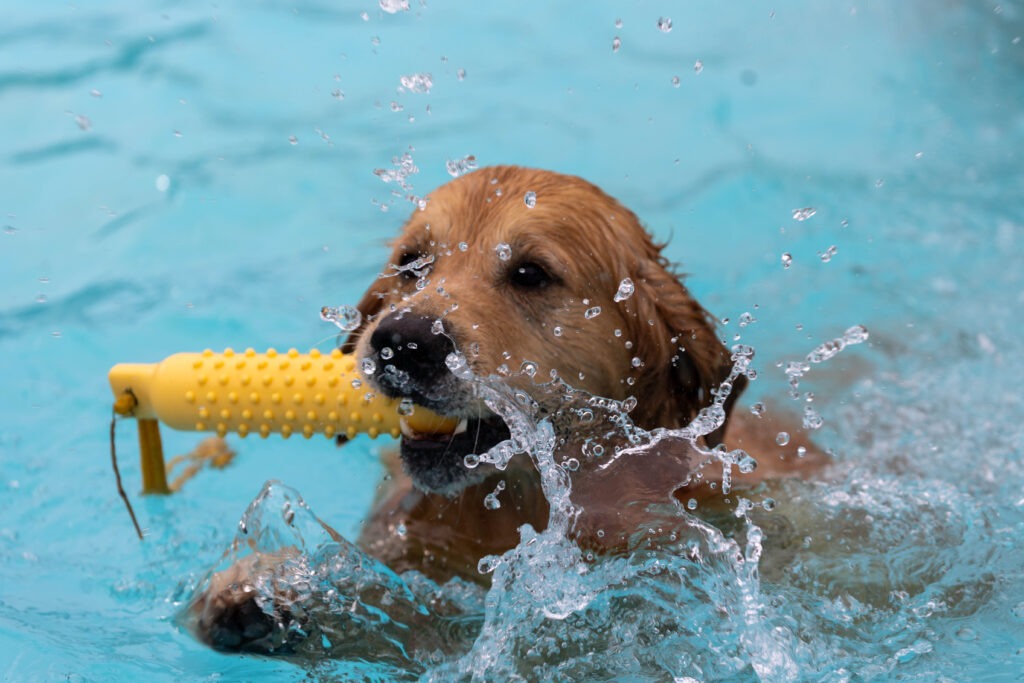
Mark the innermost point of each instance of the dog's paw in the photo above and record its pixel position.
(233, 614)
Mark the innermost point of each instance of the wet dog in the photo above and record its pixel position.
(541, 280)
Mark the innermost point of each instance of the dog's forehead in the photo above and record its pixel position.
(530, 208)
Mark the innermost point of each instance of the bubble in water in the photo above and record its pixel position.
(530, 199)
(592, 312)
(827, 255)
(616, 44)
(804, 213)
(698, 66)
(394, 6)
(347, 318)
(691, 504)
(664, 24)
(460, 74)
(406, 407)
(801, 451)
(471, 461)
(463, 246)
(386, 353)
(757, 410)
(457, 167)
(503, 251)
(528, 368)
(787, 259)
(557, 331)
(625, 290)
(747, 319)
(437, 327)
(618, 23)
(782, 438)
(368, 367)
(636, 362)
(417, 83)
(401, 530)
(675, 81)
(163, 183)
(292, 140)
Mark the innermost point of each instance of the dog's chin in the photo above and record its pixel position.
(436, 463)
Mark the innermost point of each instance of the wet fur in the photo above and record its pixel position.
(589, 243)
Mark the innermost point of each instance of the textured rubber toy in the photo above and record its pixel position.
(265, 393)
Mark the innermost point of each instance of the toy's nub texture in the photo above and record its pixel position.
(265, 393)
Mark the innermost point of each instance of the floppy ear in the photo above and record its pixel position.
(683, 359)
(369, 306)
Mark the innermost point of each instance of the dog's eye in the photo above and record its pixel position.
(413, 265)
(530, 275)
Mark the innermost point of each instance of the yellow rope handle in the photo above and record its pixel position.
(256, 393)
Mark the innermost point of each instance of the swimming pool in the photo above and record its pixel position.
(186, 175)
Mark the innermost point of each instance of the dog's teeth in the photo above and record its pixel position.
(462, 426)
(407, 431)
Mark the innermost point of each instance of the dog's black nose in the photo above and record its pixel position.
(414, 346)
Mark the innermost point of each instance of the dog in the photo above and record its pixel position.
(547, 283)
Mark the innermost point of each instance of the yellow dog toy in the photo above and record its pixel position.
(256, 393)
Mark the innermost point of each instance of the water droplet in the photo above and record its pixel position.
(592, 312)
(437, 327)
(95, 93)
(386, 353)
(461, 74)
(528, 368)
(293, 140)
(406, 407)
(629, 404)
(571, 464)
(457, 364)
(471, 461)
(787, 259)
(827, 255)
(83, 122)
(163, 183)
(557, 331)
(338, 94)
(801, 451)
(457, 167)
(691, 504)
(491, 502)
(812, 420)
(675, 81)
(394, 6)
(616, 44)
(782, 438)
(347, 318)
(503, 251)
(747, 319)
(530, 199)
(41, 299)
(626, 289)
(368, 367)
(417, 83)
(401, 530)
(463, 246)
(288, 513)
(768, 504)
(757, 409)
(636, 362)
(698, 66)
(664, 24)
(804, 213)
(618, 23)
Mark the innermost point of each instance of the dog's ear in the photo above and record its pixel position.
(369, 307)
(684, 362)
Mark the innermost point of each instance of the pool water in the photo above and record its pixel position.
(185, 175)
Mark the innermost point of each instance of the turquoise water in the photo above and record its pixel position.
(175, 176)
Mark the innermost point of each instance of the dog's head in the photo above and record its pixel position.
(507, 266)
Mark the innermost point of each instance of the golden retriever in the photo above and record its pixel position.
(529, 275)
